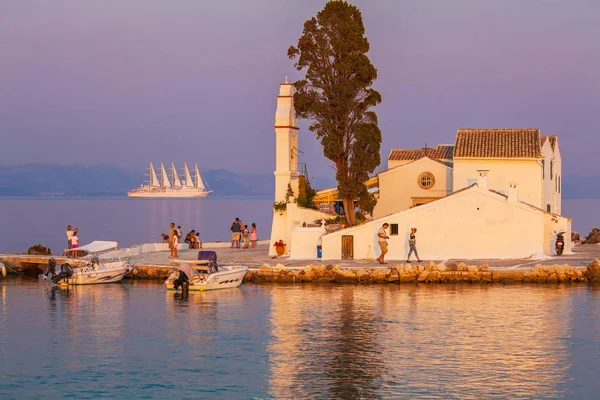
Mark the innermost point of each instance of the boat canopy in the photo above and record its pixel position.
(97, 246)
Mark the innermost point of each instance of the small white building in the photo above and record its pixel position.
(472, 223)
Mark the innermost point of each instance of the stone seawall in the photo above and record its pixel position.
(401, 273)
(429, 273)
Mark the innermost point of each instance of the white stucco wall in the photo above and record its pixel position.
(548, 182)
(397, 186)
(552, 225)
(527, 174)
(472, 224)
(292, 218)
(395, 163)
(558, 158)
(305, 242)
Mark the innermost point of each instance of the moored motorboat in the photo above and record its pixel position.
(204, 275)
(87, 267)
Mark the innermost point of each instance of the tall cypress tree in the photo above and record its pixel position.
(336, 95)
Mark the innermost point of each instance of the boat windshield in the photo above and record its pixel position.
(96, 247)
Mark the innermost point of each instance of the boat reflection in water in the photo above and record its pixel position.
(299, 341)
(432, 341)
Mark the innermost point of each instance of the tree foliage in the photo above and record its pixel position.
(336, 95)
(306, 194)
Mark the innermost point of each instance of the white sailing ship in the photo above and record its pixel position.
(175, 187)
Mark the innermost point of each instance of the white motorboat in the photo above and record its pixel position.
(88, 268)
(205, 275)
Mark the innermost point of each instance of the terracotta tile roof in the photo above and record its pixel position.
(442, 152)
(498, 143)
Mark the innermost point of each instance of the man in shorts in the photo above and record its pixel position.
(236, 232)
(382, 238)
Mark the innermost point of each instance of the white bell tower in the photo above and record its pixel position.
(286, 163)
(286, 140)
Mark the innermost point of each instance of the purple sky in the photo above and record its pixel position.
(126, 82)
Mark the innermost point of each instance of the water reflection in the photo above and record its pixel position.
(302, 341)
(349, 342)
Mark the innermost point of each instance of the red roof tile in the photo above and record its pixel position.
(498, 143)
(442, 152)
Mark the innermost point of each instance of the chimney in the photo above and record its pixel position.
(482, 178)
(513, 194)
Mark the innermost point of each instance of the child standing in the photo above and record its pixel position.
(74, 239)
(253, 235)
(245, 233)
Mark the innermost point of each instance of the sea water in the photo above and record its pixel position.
(28, 221)
(136, 340)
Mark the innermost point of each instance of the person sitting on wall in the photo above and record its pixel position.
(190, 237)
(164, 237)
(197, 242)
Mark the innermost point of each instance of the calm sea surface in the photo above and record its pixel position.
(136, 340)
(27, 221)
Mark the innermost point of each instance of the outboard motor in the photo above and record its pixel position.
(560, 243)
(65, 272)
(51, 269)
(182, 280)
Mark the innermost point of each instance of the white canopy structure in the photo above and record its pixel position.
(97, 246)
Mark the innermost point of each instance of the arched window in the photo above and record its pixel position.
(426, 180)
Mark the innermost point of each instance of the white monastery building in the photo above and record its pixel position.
(494, 193)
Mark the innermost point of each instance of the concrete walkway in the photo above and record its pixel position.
(254, 258)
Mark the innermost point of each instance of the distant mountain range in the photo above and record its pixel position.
(105, 180)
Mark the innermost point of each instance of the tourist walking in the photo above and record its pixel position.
(236, 231)
(172, 233)
(382, 238)
(253, 235)
(412, 244)
(69, 234)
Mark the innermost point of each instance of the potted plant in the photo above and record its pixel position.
(279, 247)
(280, 206)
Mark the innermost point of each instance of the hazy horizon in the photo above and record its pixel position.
(124, 83)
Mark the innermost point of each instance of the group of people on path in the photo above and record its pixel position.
(240, 231)
(72, 238)
(174, 238)
(382, 238)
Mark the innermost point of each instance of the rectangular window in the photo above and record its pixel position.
(559, 184)
(543, 169)
(551, 169)
(393, 229)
